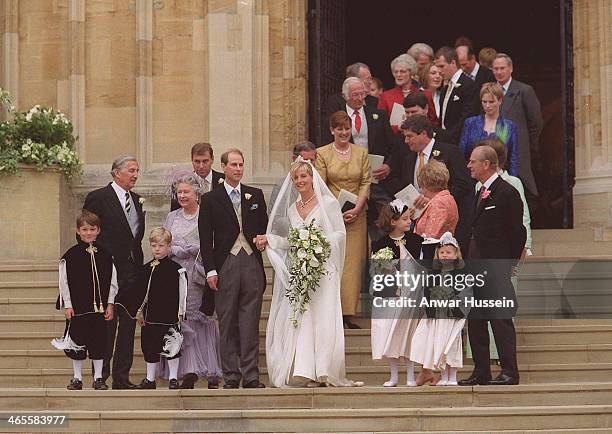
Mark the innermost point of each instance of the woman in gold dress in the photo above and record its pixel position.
(345, 166)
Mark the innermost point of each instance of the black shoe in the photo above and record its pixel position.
(348, 324)
(116, 385)
(231, 385)
(474, 380)
(255, 384)
(213, 383)
(504, 380)
(147, 385)
(75, 384)
(99, 384)
(173, 384)
(189, 381)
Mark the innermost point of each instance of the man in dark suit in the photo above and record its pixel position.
(497, 236)
(337, 102)
(202, 158)
(232, 222)
(123, 226)
(521, 106)
(417, 104)
(418, 147)
(459, 99)
(471, 67)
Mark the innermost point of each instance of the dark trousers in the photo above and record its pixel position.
(238, 303)
(123, 328)
(90, 331)
(152, 342)
(505, 339)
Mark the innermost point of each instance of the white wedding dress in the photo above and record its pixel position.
(314, 350)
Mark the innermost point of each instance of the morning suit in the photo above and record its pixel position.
(227, 247)
(123, 242)
(497, 241)
(463, 102)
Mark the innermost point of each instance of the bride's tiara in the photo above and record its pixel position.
(299, 161)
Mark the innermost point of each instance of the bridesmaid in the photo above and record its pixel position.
(345, 166)
(200, 350)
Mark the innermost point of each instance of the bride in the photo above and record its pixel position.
(311, 353)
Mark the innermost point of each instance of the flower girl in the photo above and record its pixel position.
(437, 340)
(392, 328)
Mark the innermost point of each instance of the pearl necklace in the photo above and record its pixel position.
(189, 216)
(341, 152)
(303, 204)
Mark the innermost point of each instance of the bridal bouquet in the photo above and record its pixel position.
(308, 252)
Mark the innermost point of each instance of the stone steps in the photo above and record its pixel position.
(545, 418)
(319, 398)
(543, 332)
(372, 375)
(355, 356)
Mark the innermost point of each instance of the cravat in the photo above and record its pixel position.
(235, 197)
(449, 90)
(421, 163)
(357, 122)
(128, 203)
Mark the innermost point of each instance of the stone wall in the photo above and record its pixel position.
(152, 77)
(593, 115)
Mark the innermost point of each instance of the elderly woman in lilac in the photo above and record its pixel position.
(200, 350)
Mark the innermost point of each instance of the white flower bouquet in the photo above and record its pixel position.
(309, 250)
(383, 261)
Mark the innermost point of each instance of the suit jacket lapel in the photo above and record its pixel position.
(115, 205)
(228, 205)
(509, 98)
(410, 164)
(371, 131)
(484, 202)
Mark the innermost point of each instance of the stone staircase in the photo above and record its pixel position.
(566, 378)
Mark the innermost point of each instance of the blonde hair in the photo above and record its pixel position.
(459, 262)
(159, 235)
(297, 165)
(434, 176)
(492, 88)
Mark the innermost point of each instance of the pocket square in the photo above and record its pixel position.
(490, 207)
(254, 206)
(456, 98)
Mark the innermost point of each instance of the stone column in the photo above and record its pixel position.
(10, 48)
(144, 82)
(593, 114)
(76, 71)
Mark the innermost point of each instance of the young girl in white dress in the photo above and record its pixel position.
(393, 328)
(437, 340)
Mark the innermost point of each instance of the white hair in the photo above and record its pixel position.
(120, 161)
(421, 48)
(504, 56)
(347, 83)
(407, 60)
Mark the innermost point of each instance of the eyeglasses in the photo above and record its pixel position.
(358, 94)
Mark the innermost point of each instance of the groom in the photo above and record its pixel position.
(232, 221)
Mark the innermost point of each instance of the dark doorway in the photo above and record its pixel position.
(536, 34)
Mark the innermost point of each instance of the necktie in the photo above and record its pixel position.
(357, 122)
(421, 163)
(480, 192)
(128, 203)
(235, 197)
(449, 90)
(206, 186)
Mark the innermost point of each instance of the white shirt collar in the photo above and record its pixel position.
(119, 190)
(507, 85)
(350, 111)
(489, 181)
(229, 188)
(209, 177)
(455, 78)
(428, 148)
(475, 70)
